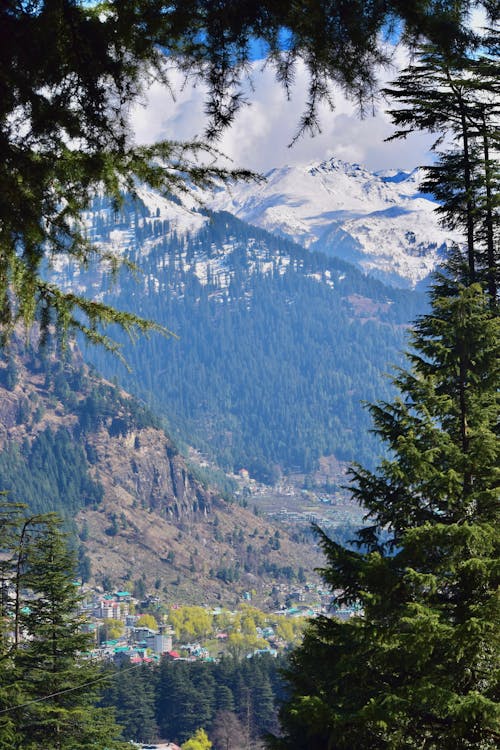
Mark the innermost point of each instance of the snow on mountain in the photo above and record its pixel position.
(132, 230)
(150, 205)
(380, 221)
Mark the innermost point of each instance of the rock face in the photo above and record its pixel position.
(127, 454)
(145, 519)
(9, 411)
(144, 467)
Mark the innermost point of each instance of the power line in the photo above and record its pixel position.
(103, 678)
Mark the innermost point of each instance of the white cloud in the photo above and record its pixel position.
(262, 130)
(478, 19)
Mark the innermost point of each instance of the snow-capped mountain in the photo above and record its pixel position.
(277, 344)
(379, 221)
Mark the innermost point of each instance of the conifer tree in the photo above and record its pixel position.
(132, 694)
(51, 689)
(456, 95)
(419, 667)
(9, 520)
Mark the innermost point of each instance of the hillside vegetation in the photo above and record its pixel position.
(76, 444)
(278, 347)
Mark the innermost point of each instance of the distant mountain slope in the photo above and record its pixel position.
(73, 443)
(278, 346)
(379, 221)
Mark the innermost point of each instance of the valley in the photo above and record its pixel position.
(138, 516)
(249, 423)
(241, 427)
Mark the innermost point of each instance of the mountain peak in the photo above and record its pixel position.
(333, 164)
(378, 220)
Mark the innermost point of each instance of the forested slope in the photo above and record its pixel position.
(76, 444)
(277, 346)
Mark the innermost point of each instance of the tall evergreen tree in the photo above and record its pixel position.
(456, 95)
(419, 667)
(51, 688)
(132, 694)
(10, 585)
(225, 699)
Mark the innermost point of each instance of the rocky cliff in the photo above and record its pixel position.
(74, 443)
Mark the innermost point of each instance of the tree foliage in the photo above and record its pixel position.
(199, 741)
(147, 621)
(132, 696)
(425, 651)
(419, 665)
(456, 95)
(190, 694)
(69, 73)
(48, 691)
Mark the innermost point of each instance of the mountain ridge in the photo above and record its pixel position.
(274, 340)
(388, 227)
(76, 444)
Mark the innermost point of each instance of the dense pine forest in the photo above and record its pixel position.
(175, 699)
(278, 347)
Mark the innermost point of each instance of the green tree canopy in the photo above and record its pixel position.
(147, 621)
(419, 666)
(48, 690)
(199, 741)
(69, 71)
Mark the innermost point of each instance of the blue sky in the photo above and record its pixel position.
(262, 131)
